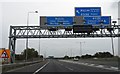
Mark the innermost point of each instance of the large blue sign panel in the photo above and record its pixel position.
(57, 21)
(96, 20)
(88, 11)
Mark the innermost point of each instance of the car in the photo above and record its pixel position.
(95, 58)
(75, 59)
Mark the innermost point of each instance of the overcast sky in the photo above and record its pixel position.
(15, 13)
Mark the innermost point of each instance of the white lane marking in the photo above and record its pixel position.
(69, 68)
(85, 63)
(91, 64)
(114, 68)
(98, 66)
(40, 68)
(81, 63)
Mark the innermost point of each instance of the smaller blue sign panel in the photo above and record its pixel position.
(57, 21)
(96, 20)
(88, 11)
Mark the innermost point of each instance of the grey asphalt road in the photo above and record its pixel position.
(52, 65)
(59, 66)
(101, 62)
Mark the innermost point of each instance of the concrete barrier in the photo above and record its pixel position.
(7, 67)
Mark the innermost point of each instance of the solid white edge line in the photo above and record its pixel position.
(41, 68)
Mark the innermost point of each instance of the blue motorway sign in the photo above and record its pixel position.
(96, 20)
(57, 21)
(88, 11)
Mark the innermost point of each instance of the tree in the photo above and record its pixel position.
(103, 55)
(87, 56)
(66, 57)
(41, 56)
(35, 54)
(77, 57)
(31, 53)
(19, 57)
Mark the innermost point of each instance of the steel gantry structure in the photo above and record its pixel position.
(20, 32)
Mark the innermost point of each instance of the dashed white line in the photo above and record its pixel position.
(40, 68)
(81, 63)
(85, 63)
(69, 68)
(93, 65)
(114, 68)
(100, 66)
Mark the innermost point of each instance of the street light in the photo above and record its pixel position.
(27, 31)
(114, 22)
(81, 48)
(39, 47)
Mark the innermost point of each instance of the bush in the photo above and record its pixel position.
(86, 56)
(103, 55)
(66, 57)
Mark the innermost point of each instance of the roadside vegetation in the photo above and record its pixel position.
(31, 55)
(97, 56)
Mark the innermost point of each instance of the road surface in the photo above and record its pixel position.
(108, 62)
(52, 65)
(60, 66)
